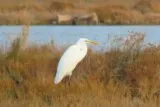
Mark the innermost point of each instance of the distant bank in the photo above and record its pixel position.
(85, 12)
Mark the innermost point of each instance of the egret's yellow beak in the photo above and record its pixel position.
(92, 42)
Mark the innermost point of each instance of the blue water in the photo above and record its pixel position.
(70, 34)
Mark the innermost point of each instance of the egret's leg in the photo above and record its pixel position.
(68, 81)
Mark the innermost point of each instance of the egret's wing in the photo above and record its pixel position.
(68, 62)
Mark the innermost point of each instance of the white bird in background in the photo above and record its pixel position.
(71, 57)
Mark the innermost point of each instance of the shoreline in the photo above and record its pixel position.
(39, 13)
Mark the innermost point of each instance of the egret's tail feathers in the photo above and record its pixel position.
(57, 80)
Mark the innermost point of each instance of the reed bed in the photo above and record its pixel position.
(127, 75)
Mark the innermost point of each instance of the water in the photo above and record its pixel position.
(64, 35)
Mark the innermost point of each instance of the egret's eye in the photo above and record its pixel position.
(81, 49)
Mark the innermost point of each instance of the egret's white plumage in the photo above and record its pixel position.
(71, 57)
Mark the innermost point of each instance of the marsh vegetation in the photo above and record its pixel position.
(127, 75)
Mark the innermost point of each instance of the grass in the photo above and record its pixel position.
(127, 75)
(37, 12)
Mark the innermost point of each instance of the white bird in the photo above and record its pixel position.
(71, 57)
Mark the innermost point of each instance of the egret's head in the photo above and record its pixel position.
(84, 40)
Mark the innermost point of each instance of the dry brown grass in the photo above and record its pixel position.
(126, 76)
(109, 12)
(118, 15)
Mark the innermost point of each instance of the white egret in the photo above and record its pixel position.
(71, 57)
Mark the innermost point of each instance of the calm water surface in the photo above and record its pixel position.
(70, 34)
